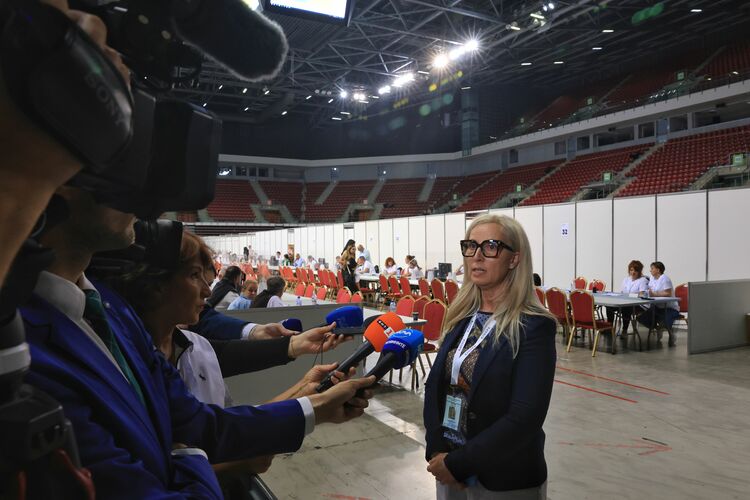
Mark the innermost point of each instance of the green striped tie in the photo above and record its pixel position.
(96, 316)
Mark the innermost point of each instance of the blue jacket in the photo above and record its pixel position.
(507, 406)
(126, 446)
(217, 326)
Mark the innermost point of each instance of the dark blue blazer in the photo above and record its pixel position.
(217, 326)
(507, 406)
(126, 446)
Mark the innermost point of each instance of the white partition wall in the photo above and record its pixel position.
(680, 236)
(434, 240)
(454, 232)
(634, 234)
(400, 240)
(531, 218)
(320, 242)
(329, 248)
(385, 243)
(594, 241)
(297, 240)
(373, 236)
(509, 212)
(360, 233)
(559, 245)
(417, 234)
(304, 248)
(728, 234)
(338, 240)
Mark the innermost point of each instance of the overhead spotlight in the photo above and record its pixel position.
(205, 104)
(558, 62)
(358, 96)
(525, 64)
(513, 26)
(403, 79)
(544, 7)
(221, 87)
(384, 90)
(537, 15)
(596, 48)
(440, 61)
(472, 45)
(248, 107)
(317, 91)
(735, 73)
(456, 53)
(551, 6)
(308, 98)
(244, 91)
(374, 97)
(337, 118)
(330, 100)
(345, 113)
(465, 88)
(328, 92)
(283, 113)
(423, 72)
(608, 31)
(696, 11)
(266, 92)
(344, 94)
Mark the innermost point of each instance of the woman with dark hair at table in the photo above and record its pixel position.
(271, 296)
(665, 313)
(489, 389)
(634, 282)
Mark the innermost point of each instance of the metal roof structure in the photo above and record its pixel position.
(540, 43)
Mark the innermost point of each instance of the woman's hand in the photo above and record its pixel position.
(437, 468)
(315, 340)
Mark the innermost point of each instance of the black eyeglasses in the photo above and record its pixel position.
(490, 248)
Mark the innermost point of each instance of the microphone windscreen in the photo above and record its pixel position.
(292, 324)
(383, 327)
(346, 317)
(229, 32)
(407, 343)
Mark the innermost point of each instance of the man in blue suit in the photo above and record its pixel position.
(139, 431)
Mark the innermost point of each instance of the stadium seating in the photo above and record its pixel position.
(732, 58)
(285, 193)
(344, 194)
(505, 183)
(232, 201)
(681, 161)
(568, 180)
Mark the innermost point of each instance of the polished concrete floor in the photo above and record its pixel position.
(656, 424)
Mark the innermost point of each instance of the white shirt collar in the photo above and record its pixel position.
(64, 295)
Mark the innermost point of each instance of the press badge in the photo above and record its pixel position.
(452, 415)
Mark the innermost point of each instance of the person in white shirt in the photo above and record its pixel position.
(312, 263)
(364, 266)
(363, 252)
(634, 282)
(413, 270)
(390, 268)
(666, 313)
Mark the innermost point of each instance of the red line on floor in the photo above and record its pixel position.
(594, 390)
(611, 380)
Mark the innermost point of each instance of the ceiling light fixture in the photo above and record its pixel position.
(465, 88)
(308, 98)
(221, 87)
(558, 62)
(283, 113)
(525, 64)
(514, 26)
(537, 15)
(345, 113)
(330, 101)
(344, 94)
(247, 108)
(608, 31)
(266, 92)
(440, 61)
(403, 79)
(244, 91)
(696, 11)
(358, 96)
(337, 118)
(384, 90)
(596, 48)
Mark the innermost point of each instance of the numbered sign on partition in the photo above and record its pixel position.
(564, 230)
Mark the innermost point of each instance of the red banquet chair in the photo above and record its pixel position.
(583, 317)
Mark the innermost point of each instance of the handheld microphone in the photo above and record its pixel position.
(349, 320)
(229, 32)
(376, 335)
(292, 324)
(401, 349)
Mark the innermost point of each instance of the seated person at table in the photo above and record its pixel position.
(390, 268)
(312, 263)
(364, 266)
(248, 293)
(412, 269)
(271, 296)
(537, 280)
(299, 261)
(666, 312)
(634, 282)
(226, 290)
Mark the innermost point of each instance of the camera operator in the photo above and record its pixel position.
(138, 430)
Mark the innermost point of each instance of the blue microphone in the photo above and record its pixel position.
(349, 320)
(292, 324)
(400, 350)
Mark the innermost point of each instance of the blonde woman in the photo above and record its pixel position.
(489, 389)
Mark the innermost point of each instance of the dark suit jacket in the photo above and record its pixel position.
(126, 446)
(217, 326)
(507, 406)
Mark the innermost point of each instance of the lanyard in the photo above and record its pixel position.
(460, 356)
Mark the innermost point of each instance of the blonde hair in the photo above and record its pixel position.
(520, 298)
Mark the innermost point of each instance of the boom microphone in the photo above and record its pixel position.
(376, 336)
(229, 32)
(401, 349)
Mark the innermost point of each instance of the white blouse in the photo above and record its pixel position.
(275, 301)
(629, 285)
